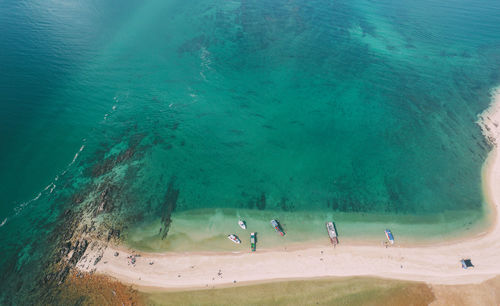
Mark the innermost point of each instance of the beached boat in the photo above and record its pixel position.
(332, 232)
(466, 263)
(389, 236)
(234, 238)
(242, 224)
(253, 241)
(277, 227)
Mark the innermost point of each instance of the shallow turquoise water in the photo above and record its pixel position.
(299, 106)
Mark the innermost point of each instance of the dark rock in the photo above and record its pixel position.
(97, 260)
(78, 198)
(78, 253)
(65, 249)
(61, 276)
(110, 234)
(48, 277)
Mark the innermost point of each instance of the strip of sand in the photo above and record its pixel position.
(436, 264)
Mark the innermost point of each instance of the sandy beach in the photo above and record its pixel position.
(434, 264)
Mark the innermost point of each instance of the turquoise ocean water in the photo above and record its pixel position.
(200, 112)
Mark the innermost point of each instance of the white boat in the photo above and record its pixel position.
(332, 233)
(234, 238)
(242, 224)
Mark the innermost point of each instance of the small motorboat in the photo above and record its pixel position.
(389, 236)
(242, 224)
(234, 238)
(332, 233)
(277, 227)
(253, 241)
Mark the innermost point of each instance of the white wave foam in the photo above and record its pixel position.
(50, 187)
(21, 206)
(76, 155)
(47, 187)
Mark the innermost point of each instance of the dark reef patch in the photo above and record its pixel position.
(168, 207)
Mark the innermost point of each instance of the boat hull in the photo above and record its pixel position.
(242, 224)
(277, 227)
(234, 239)
(332, 233)
(389, 236)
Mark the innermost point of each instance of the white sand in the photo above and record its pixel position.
(436, 264)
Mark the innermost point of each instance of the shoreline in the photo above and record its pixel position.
(434, 263)
(365, 231)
